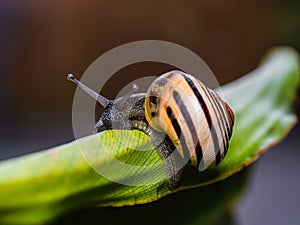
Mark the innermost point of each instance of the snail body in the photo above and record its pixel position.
(187, 122)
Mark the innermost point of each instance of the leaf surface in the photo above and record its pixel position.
(93, 170)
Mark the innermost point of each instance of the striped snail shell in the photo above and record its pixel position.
(179, 113)
(196, 119)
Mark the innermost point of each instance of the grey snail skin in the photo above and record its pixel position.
(186, 121)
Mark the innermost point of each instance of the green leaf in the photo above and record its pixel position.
(207, 205)
(36, 188)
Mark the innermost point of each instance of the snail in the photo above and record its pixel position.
(186, 121)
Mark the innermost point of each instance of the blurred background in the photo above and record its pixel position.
(42, 41)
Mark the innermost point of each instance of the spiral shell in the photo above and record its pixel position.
(194, 117)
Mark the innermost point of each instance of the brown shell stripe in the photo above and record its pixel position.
(224, 127)
(177, 128)
(191, 134)
(178, 121)
(208, 116)
(185, 113)
(222, 111)
(220, 120)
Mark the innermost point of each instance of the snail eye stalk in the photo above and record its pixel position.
(99, 98)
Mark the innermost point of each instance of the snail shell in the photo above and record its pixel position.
(195, 118)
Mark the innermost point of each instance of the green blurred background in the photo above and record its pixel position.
(42, 41)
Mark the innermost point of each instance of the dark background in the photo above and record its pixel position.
(42, 41)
